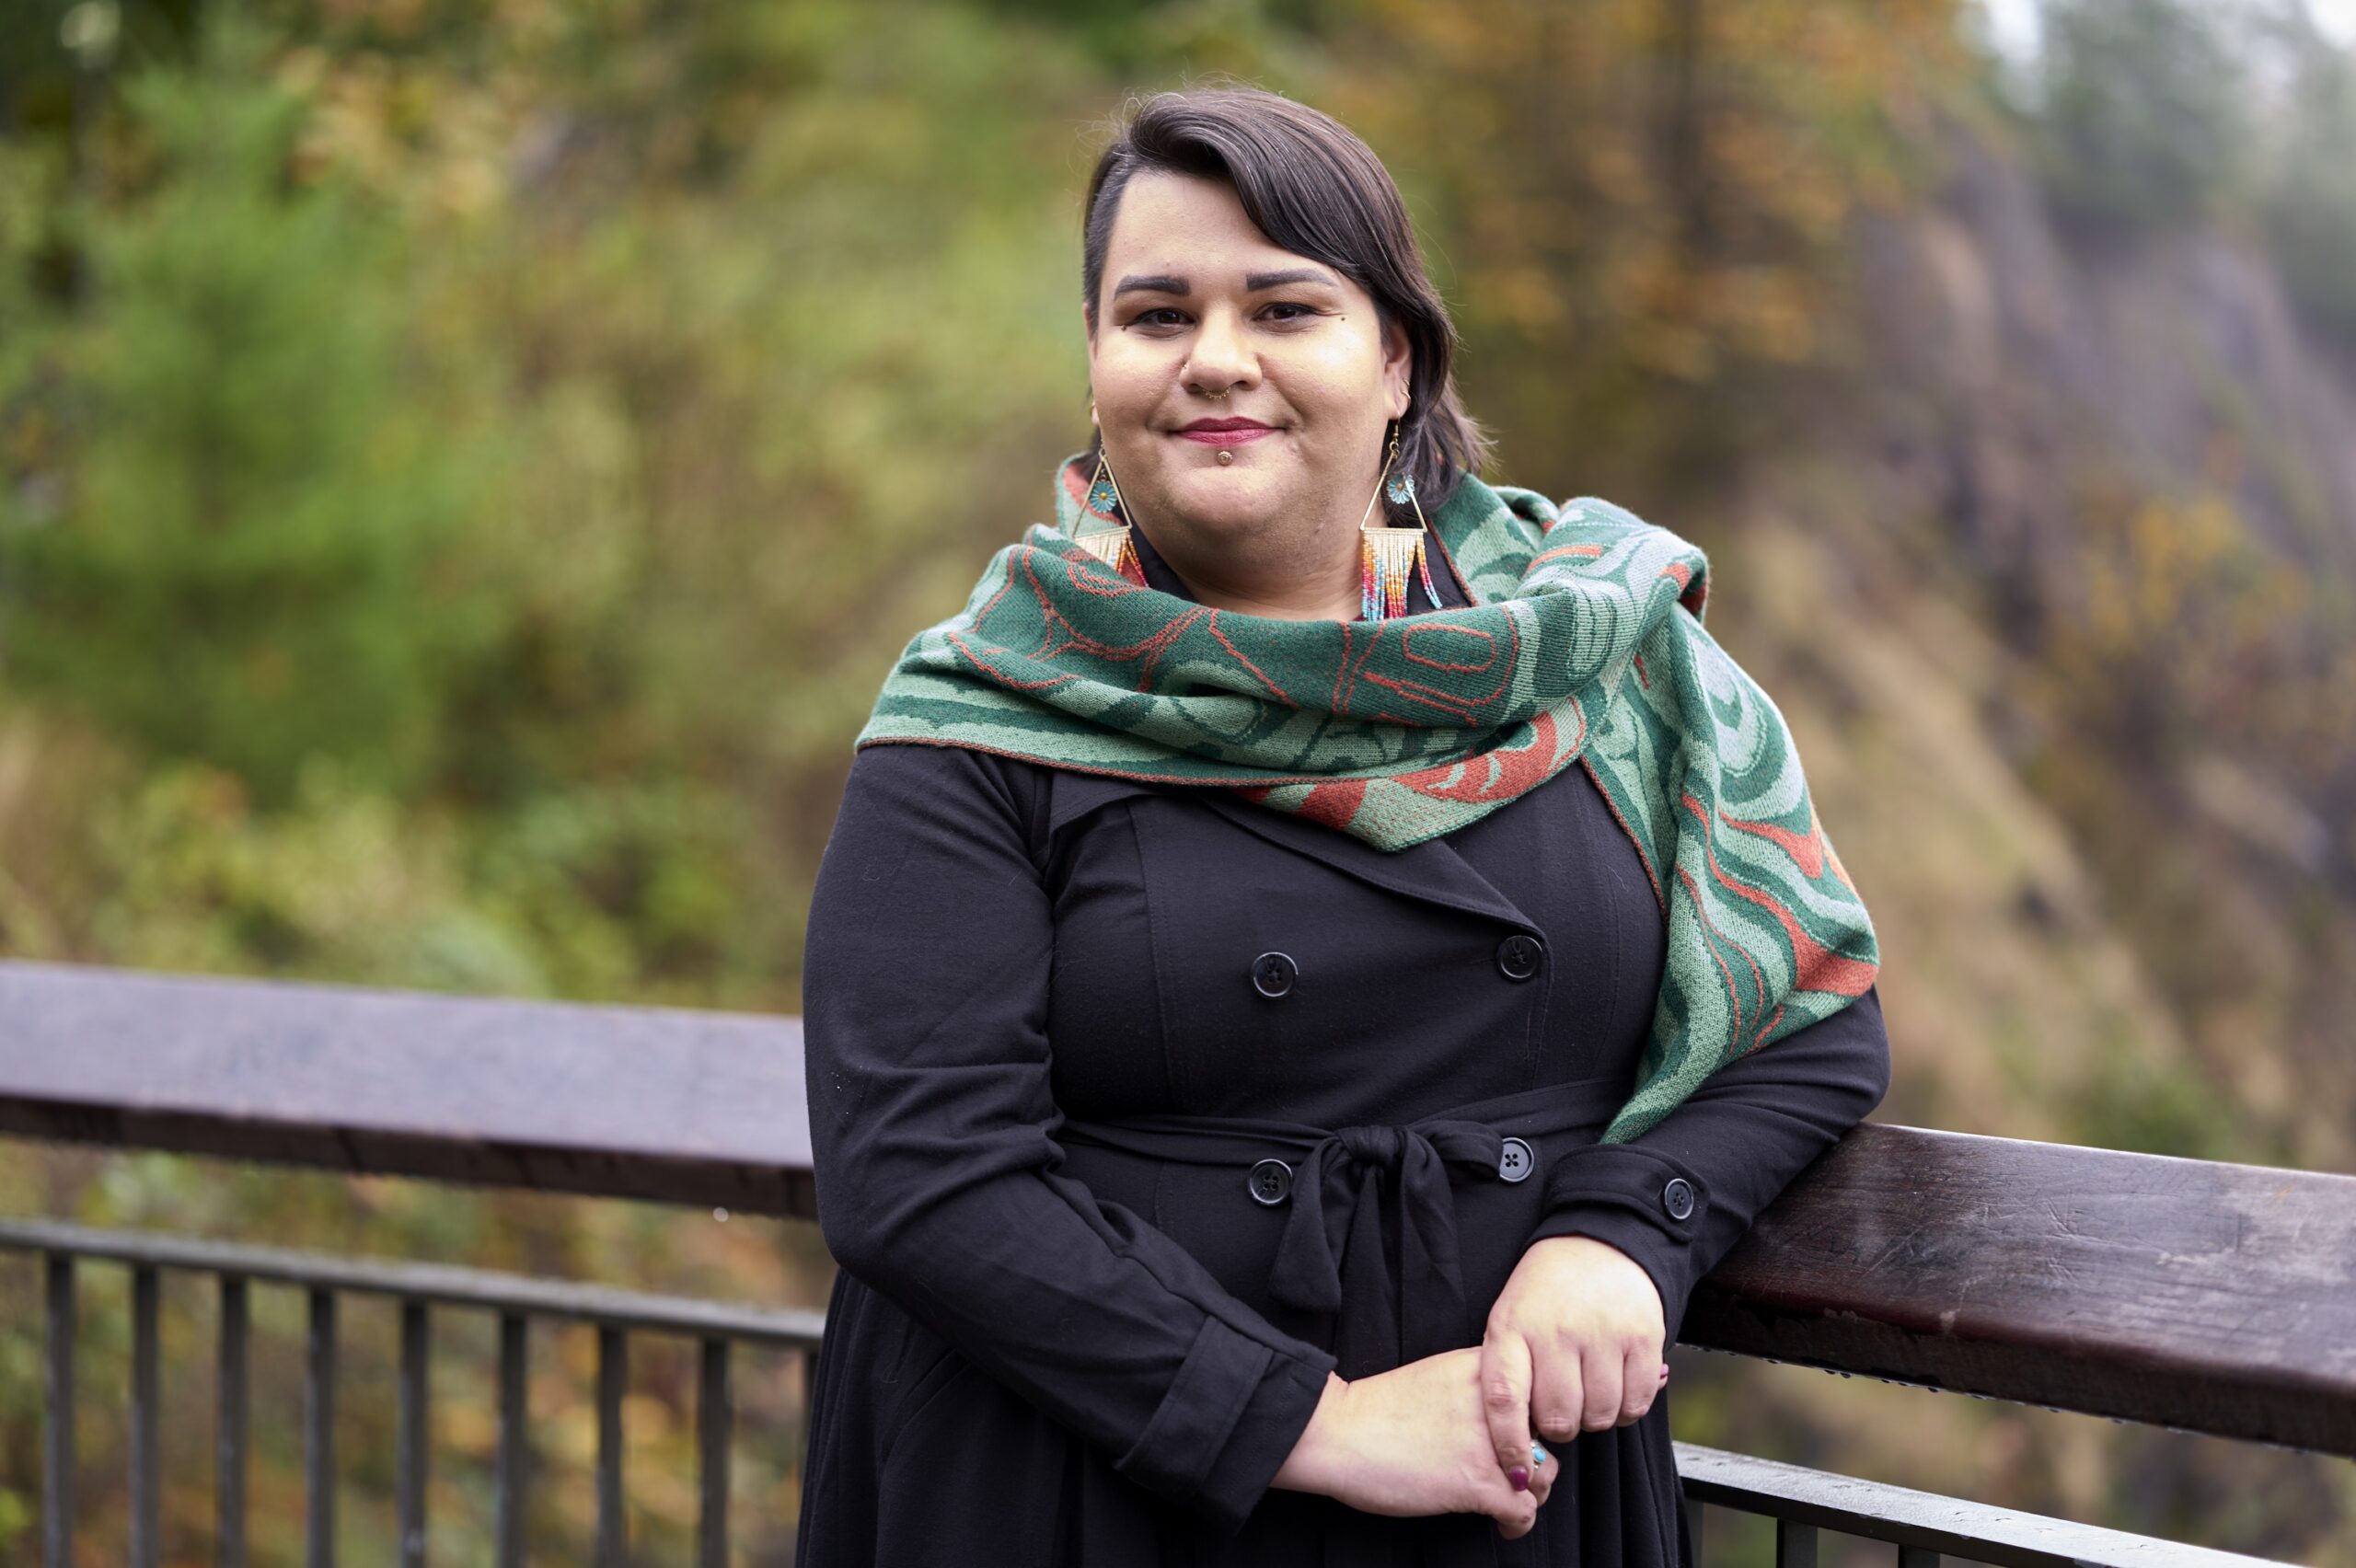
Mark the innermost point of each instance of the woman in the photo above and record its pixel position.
(1269, 1105)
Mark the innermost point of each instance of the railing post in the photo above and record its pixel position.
(613, 1376)
(147, 1514)
(319, 1435)
(57, 1450)
(229, 1428)
(1795, 1544)
(412, 1438)
(514, 1451)
(713, 1421)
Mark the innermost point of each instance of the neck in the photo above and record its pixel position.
(1304, 576)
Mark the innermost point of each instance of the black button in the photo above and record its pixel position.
(1516, 1162)
(1272, 974)
(1271, 1183)
(1518, 956)
(1678, 1197)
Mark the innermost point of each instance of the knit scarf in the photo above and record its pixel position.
(1583, 642)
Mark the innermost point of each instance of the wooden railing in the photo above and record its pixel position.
(2204, 1296)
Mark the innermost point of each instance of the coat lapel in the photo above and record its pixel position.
(1431, 871)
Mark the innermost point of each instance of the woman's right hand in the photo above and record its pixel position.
(1410, 1442)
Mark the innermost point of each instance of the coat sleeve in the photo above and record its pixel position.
(1736, 1142)
(933, 1136)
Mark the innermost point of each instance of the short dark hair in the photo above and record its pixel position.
(1313, 187)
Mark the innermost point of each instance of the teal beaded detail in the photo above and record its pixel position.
(1103, 497)
(1401, 488)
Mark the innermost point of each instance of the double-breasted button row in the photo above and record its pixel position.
(1678, 1197)
(1519, 955)
(1270, 1183)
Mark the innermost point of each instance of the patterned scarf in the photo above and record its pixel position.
(1583, 642)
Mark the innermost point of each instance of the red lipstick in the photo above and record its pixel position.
(1227, 432)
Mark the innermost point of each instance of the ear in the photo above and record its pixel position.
(1398, 366)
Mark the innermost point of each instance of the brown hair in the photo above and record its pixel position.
(1309, 185)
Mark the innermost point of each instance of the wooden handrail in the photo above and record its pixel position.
(2206, 1296)
(702, 1108)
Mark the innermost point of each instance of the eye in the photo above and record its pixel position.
(1293, 311)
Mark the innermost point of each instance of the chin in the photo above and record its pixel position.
(1230, 500)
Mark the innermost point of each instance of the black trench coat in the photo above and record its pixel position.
(1138, 1109)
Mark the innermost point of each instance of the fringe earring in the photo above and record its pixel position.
(1111, 544)
(1386, 554)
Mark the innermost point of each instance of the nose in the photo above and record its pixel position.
(1222, 359)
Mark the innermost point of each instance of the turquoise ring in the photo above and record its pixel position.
(1537, 1455)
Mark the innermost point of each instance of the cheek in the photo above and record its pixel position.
(1338, 374)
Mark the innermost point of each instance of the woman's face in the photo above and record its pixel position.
(1202, 317)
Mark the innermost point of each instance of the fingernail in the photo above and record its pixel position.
(1519, 1477)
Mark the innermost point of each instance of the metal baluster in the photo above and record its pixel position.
(1917, 1557)
(711, 1455)
(145, 1515)
(57, 1449)
(229, 1428)
(513, 1453)
(319, 1435)
(1795, 1544)
(410, 1437)
(613, 1375)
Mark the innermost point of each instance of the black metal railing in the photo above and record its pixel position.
(2205, 1297)
(419, 1290)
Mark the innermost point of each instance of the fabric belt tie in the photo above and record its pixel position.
(1333, 1257)
(1334, 1245)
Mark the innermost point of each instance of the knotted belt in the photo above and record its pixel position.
(1333, 1257)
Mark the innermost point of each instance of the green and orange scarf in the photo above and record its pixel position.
(1583, 642)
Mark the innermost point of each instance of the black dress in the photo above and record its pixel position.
(1137, 1108)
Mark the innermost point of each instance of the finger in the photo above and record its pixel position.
(1545, 1470)
(1639, 1381)
(1602, 1368)
(1505, 1401)
(1557, 1397)
(1515, 1512)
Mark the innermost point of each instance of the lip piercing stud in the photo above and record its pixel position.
(1226, 457)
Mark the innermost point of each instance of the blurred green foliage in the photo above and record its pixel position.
(2311, 203)
(2145, 118)
(261, 475)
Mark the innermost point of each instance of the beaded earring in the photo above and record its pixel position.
(1386, 554)
(1113, 545)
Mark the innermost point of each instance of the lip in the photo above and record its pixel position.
(1226, 432)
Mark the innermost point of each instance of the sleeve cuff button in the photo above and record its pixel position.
(1678, 1197)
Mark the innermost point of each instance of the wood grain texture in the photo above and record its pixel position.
(701, 1108)
(2206, 1296)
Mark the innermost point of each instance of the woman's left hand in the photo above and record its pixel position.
(1573, 1344)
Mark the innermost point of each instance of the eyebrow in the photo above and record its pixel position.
(1164, 282)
